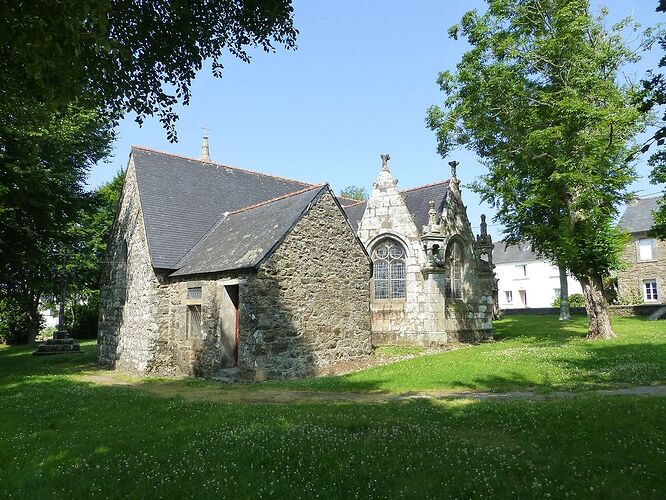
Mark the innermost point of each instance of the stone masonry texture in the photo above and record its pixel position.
(630, 280)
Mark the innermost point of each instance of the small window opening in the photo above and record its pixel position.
(194, 293)
(193, 322)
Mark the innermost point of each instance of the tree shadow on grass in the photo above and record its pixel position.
(100, 441)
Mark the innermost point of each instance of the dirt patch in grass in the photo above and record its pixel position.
(222, 393)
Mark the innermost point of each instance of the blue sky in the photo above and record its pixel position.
(358, 86)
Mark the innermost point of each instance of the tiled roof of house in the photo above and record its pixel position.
(638, 216)
(503, 254)
(244, 238)
(183, 198)
(417, 200)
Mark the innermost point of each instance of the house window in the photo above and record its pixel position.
(509, 296)
(557, 293)
(454, 262)
(650, 291)
(194, 322)
(194, 293)
(521, 270)
(390, 270)
(645, 249)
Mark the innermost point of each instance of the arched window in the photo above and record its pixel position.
(390, 270)
(454, 262)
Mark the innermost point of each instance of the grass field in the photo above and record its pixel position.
(62, 437)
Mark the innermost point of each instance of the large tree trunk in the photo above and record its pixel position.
(598, 315)
(565, 315)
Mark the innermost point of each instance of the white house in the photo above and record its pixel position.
(525, 280)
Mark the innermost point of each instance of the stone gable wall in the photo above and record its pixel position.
(130, 294)
(426, 316)
(308, 305)
(630, 280)
(469, 318)
(399, 320)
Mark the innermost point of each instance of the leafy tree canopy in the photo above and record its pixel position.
(354, 193)
(128, 55)
(43, 165)
(537, 98)
(653, 97)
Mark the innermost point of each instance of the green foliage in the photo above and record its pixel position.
(575, 300)
(44, 160)
(16, 320)
(82, 318)
(127, 56)
(653, 97)
(354, 193)
(537, 98)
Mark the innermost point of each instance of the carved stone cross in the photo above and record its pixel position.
(454, 165)
(385, 158)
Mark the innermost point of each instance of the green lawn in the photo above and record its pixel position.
(529, 352)
(63, 438)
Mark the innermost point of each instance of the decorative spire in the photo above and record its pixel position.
(484, 226)
(385, 158)
(205, 149)
(432, 214)
(454, 165)
(385, 180)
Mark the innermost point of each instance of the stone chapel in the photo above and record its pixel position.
(213, 268)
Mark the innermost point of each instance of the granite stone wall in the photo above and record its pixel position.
(425, 316)
(630, 280)
(130, 294)
(308, 305)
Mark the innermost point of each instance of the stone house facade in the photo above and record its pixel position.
(212, 267)
(433, 280)
(644, 277)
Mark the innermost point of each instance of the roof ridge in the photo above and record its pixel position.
(217, 164)
(356, 203)
(226, 215)
(446, 181)
(266, 202)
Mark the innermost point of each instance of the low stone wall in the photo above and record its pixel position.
(635, 310)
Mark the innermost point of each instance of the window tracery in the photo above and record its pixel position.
(390, 270)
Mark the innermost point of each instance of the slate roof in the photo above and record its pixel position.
(503, 254)
(638, 217)
(183, 198)
(244, 238)
(417, 200)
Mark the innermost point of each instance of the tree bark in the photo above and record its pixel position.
(598, 315)
(565, 314)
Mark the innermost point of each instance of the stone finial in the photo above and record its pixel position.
(432, 214)
(484, 226)
(385, 180)
(385, 158)
(205, 149)
(454, 165)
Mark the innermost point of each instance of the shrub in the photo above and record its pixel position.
(575, 300)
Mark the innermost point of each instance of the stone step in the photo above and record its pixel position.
(60, 341)
(659, 313)
(57, 348)
(227, 375)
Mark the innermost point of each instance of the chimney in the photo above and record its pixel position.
(205, 149)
